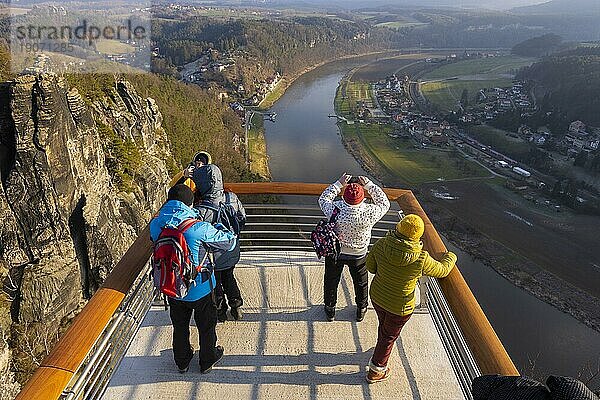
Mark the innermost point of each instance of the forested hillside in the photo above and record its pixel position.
(538, 46)
(193, 119)
(264, 47)
(572, 84)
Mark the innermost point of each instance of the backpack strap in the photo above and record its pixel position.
(334, 215)
(187, 224)
(227, 198)
(210, 206)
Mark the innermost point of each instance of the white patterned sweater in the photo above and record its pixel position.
(354, 222)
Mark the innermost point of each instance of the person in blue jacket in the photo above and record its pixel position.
(200, 237)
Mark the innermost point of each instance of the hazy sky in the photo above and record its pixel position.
(496, 4)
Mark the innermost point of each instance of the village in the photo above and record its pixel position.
(214, 68)
(394, 103)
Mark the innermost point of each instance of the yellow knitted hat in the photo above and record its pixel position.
(411, 226)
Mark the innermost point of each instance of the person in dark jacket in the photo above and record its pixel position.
(200, 158)
(198, 301)
(209, 190)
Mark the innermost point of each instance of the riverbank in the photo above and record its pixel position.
(259, 160)
(522, 271)
(257, 151)
(287, 80)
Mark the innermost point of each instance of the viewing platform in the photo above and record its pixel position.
(119, 346)
(285, 348)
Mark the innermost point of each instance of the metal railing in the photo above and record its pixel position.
(461, 358)
(277, 227)
(104, 357)
(81, 363)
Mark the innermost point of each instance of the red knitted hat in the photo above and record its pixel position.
(354, 193)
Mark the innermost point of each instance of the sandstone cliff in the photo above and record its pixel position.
(79, 179)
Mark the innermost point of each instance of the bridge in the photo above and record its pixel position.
(119, 346)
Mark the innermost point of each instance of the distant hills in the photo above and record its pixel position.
(505, 4)
(354, 4)
(573, 7)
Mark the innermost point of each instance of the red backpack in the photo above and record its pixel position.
(172, 268)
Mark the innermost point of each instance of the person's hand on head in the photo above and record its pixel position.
(363, 180)
(189, 171)
(344, 178)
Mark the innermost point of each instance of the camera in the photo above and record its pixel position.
(354, 179)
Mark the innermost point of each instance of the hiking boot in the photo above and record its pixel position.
(187, 365)
(222, 315)
(360, 314)
(330, 313)
(219, 354)
(374, 376)
(236, 313)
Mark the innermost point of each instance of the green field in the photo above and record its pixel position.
(499, 140)
(113, 47)
(350, 95)
(399, 157)
(492, 65)
(446, 95)
(413, 165)
(274, 95)
(400, 24)
(257, 147)
(473, 75)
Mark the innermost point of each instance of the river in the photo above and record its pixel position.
(304, 145)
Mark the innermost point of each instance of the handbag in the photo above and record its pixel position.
(324, 239)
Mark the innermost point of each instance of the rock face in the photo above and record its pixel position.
(66, 217)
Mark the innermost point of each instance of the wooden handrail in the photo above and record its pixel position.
(59, 366)
(57, 369)
(490, 354)
(292, 188)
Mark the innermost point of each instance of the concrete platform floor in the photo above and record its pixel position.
(285, 349)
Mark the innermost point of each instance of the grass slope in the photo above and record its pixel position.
(398, 157)
(472, 75)
(491, 65)
(446, 95)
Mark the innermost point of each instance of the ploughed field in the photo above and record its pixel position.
(382, 68)
(566, 244)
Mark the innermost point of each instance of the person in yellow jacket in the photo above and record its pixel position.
(398, 261)
(200, 158)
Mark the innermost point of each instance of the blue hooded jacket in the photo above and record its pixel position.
(199, 237)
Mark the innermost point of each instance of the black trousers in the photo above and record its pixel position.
(205, 316)
(358, 272)
(227, 290)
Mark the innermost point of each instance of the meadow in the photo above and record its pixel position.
(257, 147)
(412, 164)
(400, 24)
(400, 158)
(350, 95)
(113, 47)
(490, 65)
(446, 95)
(444, 86)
